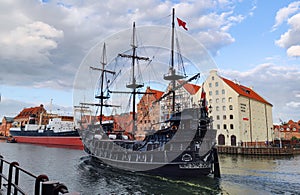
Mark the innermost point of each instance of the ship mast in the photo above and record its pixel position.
(172, 76)
(134, 85)
(102, 97)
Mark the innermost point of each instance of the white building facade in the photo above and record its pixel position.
(240, 115)
(187, 96)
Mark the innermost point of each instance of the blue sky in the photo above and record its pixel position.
(44, 42)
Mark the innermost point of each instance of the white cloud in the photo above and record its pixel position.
(284, 13)
(48, 40)
(294, 51)
(293, 104)
(44, 43)
(291, 37)
(290, 40)
(279, 85)
(30, 41)
(11, 108)
(214, 39)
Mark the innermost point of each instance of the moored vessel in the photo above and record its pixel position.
(57, 132)
(184, 144)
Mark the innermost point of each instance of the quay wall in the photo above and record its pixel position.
(268, 151)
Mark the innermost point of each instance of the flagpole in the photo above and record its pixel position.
(172, 58)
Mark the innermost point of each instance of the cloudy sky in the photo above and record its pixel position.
(43, 43)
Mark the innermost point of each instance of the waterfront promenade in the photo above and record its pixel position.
(266, 151)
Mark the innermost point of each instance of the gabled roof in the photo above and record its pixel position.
(290, 124)
(191, 88)
(245, 91)
(26, 112)
(157, 94)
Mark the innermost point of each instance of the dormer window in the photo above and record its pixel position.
(281, 129)
(246, 90)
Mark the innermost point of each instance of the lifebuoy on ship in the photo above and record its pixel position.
(186, 157)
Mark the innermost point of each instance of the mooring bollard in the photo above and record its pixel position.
(53, 188)
(38, 181)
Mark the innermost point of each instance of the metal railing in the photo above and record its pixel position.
(11, 175)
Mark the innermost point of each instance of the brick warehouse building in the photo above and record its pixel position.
(148, 112)
(6, 125)
(286, 131)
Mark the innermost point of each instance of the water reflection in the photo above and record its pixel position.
(260, 175)
(106, 180)
(240, 174)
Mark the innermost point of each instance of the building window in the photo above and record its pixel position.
(217, 108)
(217, 100)
(217, 92)
(230, 99)
(224, 117)
(231, 116)
(218, 126)
(294, 129)
(224, 126)
(212, 78)
(218, 117)
(281, 129)
(231, 126)
(288, 129)
(223, 91)
(209, 84)
(223, 100)
(210, 92)
(230, 107)
(224, 108)
(216, 84)
(221, 139)
(210, 101)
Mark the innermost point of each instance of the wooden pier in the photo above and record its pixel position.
(265, 151)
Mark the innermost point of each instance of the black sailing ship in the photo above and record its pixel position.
(186, 147)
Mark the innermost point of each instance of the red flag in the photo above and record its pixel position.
(245, 119)
(182, 23)
(203, 99)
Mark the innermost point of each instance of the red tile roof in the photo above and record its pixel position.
(290, 124)
(26, 112)
(191, 88)
(157, 94)
(245, 91)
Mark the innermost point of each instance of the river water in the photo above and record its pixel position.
(240, 174)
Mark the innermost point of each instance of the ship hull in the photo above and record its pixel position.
(64, 139)
(189, 152)
(155, 162)
(172, 169)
